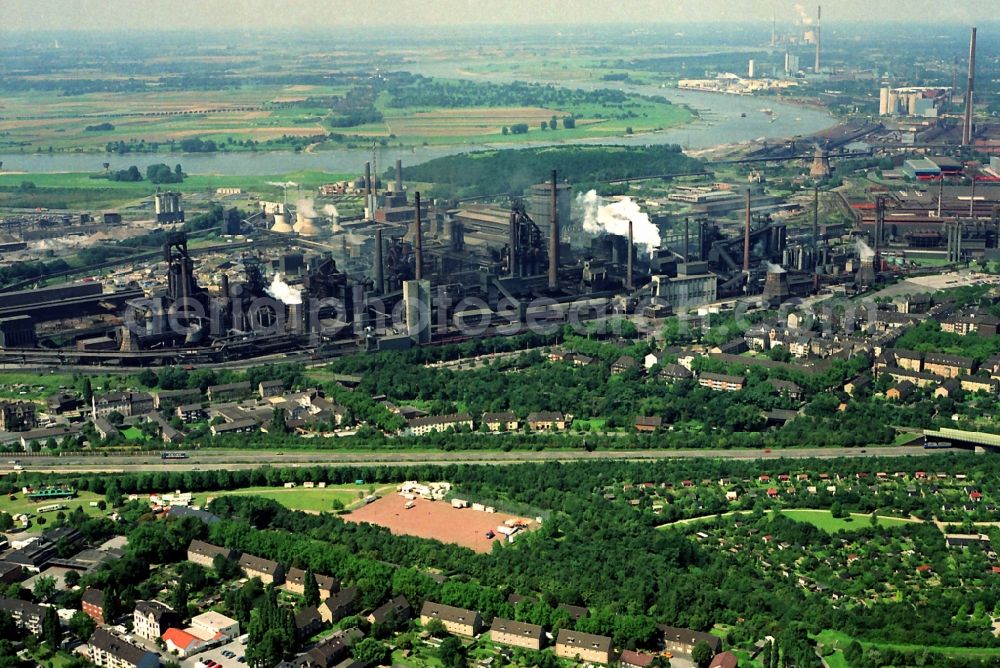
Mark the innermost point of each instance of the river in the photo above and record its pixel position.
(721, 121)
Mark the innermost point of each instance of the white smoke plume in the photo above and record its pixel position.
(283, 292)
(773, 268)
(331, 211)
(600, 217)
(305, 207)
(283, 184)
(865, 251)
(803, 15)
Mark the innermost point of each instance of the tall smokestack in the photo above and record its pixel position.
(554, 236)
(969, 92)
(816, 220)
(819, 19)
(418, 241)
(399, 176)
(379, 270)
(368, 191)
(746, 238)
(628, 260)
(687, 239)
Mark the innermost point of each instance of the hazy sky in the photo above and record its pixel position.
(20, 15)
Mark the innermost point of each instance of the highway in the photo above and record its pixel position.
(235, 459)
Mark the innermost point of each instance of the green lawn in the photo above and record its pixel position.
(842, 640)
(21, 504)
(824, 519)
(299, 498)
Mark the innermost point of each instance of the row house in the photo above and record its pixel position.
(457, 621)
(547, 421)
(109, 651)
(587, 647)
(295, 582)
(517, 634)
(124, 403)
(437, 423)
(721, 382)
(503, 421)
(269, 572)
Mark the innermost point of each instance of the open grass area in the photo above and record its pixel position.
(83, 190)
(299, 498)
(840, 641)
(824, 519)
(38, 386)
(20, 504)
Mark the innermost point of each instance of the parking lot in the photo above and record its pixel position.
(215, 654)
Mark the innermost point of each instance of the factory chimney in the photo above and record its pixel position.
(368, 191)
(628, 260)
(554, 236)
(746, 238)
(687, 238)
(399, 176)
(418, 241)
(969, 92)
(379, 270)
(816, 221)
(819, 19)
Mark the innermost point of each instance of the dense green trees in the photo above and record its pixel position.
(271, 633)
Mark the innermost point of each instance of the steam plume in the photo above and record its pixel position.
(283, 292)
(600, 217)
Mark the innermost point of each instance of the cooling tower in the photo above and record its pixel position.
(305, 225)
(281, 225)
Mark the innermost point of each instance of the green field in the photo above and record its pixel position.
(824, 519)
(840, 641)
(21, 504)
(80, 190)
(311, 500)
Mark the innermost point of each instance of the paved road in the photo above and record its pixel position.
(234, 459)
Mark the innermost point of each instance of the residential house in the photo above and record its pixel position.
(623, 364)
(963, 324)
(189, 413)
(63, 402)
(948, 388)
(630, 659)
(673, 371)
(124, 403)
(204, 554)
(547, 420)
(92, 604)
(398, 609)
(787, 387)
(504, 421)
(151, 619)
(308, 622)
(295, 582)
(586, 647)
(900, 391)
(648, 424)
(458, 621)
(980, 384)
(270, 388)
(269, 572)
(949, 366)
(332, 651)
(340, 605)
(228, 391)
(724, 660)
(167, 400)
(105, 429)
(27, 616)
(517, 634)
(683, 640)
(437, 423)
(107, 650)
(721, 382)
(17, 416)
